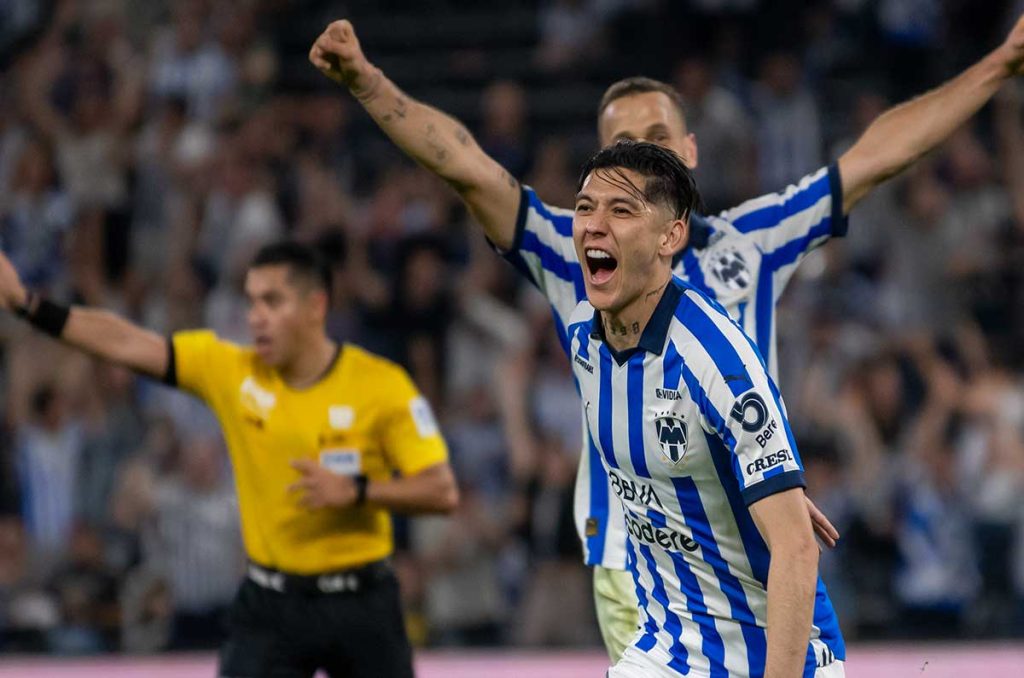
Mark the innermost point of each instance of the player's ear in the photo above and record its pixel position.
(675, 237)
(691, 151)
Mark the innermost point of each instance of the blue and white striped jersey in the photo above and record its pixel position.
(690, 429)
(743, 259)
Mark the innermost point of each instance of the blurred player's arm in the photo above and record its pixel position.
(792, 577)
(95, 331)
(434, 139)
(906, 132)
(1009, 124)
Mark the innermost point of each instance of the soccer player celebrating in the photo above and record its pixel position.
(743, 257)
(316, 432)
(690, 428)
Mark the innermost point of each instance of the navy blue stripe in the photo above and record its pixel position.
(598, 504)
(694, 274)
(553, 263)
(582, 332)
(785, 422)
(696, 518)
(827, 621)
(648, 640)
(635, 413)
(673, 625)
(786, 254)
(711, 644)
(718, 347)
(672, 366)
(657, 518)
(757, 551)
(711, 415)
(773, 484)
(562, 223)
(604, 408)
(771, 215)
(840, 223)
(764, 307)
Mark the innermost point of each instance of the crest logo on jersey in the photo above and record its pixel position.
(672, 436)
(731, 269)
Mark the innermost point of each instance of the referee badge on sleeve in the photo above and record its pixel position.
(423, 417)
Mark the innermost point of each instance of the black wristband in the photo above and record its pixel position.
(44, 315)
(361, 482)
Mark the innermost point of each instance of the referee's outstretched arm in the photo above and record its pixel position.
(434, 139)
(95, 331)
(906, 132)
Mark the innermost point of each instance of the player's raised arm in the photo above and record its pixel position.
(904, 133)
(97, 332)
(434, 139)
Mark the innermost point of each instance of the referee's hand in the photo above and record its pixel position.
(337, 54)
(321, 488)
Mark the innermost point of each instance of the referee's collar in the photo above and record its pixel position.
(653, 338)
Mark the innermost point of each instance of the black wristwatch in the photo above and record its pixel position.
(361, 482)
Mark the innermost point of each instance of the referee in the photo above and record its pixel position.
(325, 440)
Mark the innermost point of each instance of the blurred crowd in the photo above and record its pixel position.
(147, 149)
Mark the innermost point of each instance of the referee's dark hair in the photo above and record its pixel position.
(669, 181)
(304, 263)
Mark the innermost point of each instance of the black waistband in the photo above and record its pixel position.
(340, 581)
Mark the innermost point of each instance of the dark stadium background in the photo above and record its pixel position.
(147, 149)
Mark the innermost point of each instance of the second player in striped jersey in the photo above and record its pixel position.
(744, 257)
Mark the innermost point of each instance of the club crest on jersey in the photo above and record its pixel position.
(731, 269)
(671, 435)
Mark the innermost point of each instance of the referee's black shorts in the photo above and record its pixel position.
(348, 624)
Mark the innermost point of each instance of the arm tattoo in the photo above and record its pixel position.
(511, 180)
(461, 135)
(400, 110)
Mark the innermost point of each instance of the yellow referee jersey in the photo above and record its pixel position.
(364, 416)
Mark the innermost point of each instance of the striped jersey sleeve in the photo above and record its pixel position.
(737, 400)
(788, 225)
(543, 251)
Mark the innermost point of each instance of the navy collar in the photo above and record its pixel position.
(653, 338)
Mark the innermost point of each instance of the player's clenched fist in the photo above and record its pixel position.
(12, 292)
(1013, 49)
(338, 56)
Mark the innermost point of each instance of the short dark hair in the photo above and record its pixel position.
(669, 181)
(303, 262)
(641, 85)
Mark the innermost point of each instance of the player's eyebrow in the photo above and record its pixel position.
(656, 128)
(628, 201)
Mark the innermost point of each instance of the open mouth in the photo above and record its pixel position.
(600, 265)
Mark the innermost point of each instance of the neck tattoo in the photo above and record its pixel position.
(615, 328)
